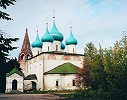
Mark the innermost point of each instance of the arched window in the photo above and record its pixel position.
(14, 84)
(57, 83)
(28, 56)
(22, 56)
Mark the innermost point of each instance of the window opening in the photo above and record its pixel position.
(14, 85)
(57, 83)
(73, 50)
(48, 48)
(22, 56)
(73, 82)
(56, 47)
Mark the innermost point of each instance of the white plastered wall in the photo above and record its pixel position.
(64, 81)
(36, 51)
(56, 46)
(36, 68)
(71, 49)
(12, 77)
(50, 63)
(43, 63)
(47, 46)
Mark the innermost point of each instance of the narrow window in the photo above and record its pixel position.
(73, 50)
(22, 56)
(57, 83)
(48, 48)
(28, 56)
(56, 47)
(14, 84)
(73, 82)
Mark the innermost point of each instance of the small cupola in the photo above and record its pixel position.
(71, 39)
(37, 43)
(47, 37)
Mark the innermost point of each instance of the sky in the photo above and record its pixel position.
(98, 21)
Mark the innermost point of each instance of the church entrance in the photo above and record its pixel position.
(33, 85)
(14, 85)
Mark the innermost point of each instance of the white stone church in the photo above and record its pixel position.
(47, 66)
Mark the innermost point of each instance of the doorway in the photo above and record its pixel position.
(14, 85)
(33, 85)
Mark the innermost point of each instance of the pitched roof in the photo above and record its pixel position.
(15, 70)
(26, 43)
(66, 68)
(31, 77)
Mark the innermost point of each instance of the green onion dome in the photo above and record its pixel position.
(71, 40)
(62, 46)
(47, 37)
(55, 33)
(37, 43)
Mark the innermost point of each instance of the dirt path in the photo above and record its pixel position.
(29, 97)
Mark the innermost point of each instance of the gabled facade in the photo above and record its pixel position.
(14, 80)
(61, 77)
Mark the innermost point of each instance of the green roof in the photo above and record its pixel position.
(66, 68)
(15, 70)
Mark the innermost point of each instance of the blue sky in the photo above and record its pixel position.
(99, 21)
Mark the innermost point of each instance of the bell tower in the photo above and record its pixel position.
(25, 52)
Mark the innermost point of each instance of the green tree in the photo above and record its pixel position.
(84, 74)
(4, 4)
(89, 52)
(108, 71)
(5, 47)
(5, 44)
(11, 64)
